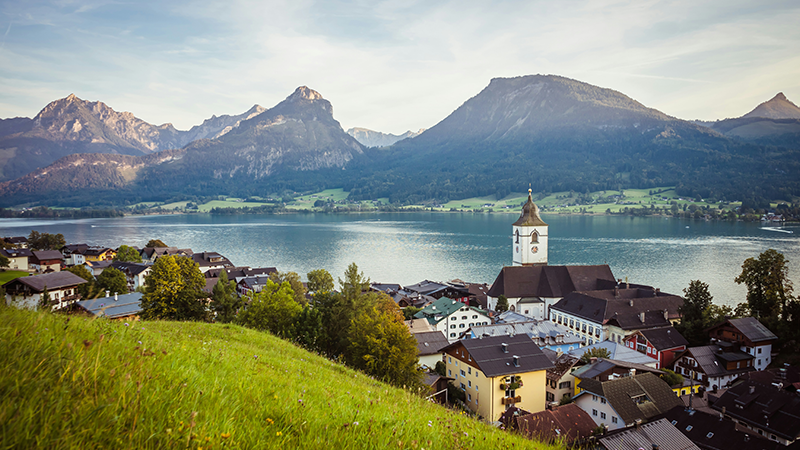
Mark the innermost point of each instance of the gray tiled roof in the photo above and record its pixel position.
(430, 342)
(492, 361)
(550, 281)
(123, 306)
(711, 360)
(621, 392)
(664, 338)
(660, 432)
(753, 329)
(622, 307)
(54, 280)
(543, 332)
(764, 406)
(603, 365)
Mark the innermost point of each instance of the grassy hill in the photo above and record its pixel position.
(73, 382)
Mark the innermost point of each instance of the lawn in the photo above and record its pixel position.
(9, 275)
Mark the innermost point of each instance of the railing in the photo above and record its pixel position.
(510, 400)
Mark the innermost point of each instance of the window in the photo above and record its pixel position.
(759, 350)
(710, 435)
(674, 422)
(594, 412)
(463, 388)
(449, 359)
(689, 428)
(461, 325)
(571, 323)
(583, 328)
(469, 397)
(449, 373)
(773, 437)
(462, 373)
(602, 400)
(565, 385)
(453, 326)
(551, 397)
(452, 335)
(516, 233)
(463, 317)
(614, 419)
(469, 383)
(602, 415)
(594, 398)
(475, 316)
(591, 329)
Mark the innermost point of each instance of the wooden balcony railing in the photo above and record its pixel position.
(510, 400)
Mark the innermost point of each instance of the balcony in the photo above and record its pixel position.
(510, 400)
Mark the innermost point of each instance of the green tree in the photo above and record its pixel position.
(4, 262)
(86, 290)
(44, 300)
(128, 254)
(113, 281)
(354, 282)
(274, 309)
(174, 290)
(671, 378)
(320, 280)
(225, 302)
(696, 301)
(440, 368)
(381, 345)
(410, 311)
(597, 352)
(152, 243)
(309, 328)
(502, 304)
(46, 241)
(294, 281)
(769, 290)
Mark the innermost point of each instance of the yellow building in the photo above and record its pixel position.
(499, 372)
(99, 254)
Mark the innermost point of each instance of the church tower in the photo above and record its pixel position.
(529, 236)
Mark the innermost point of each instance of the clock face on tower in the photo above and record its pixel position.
(534, 249)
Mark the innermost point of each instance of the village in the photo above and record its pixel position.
(567, 354)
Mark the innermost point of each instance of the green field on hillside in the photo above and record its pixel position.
(74, 382)
(8, 275)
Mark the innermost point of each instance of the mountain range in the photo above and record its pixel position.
(370, 138)
(551, 132)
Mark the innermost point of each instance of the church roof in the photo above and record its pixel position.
(550, 281)
(530, 214)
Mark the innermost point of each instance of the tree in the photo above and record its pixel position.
(320, 280)
(294, 281)
(128, 254)
(308, 328)
(768, 287)
(502, 304)
(225, 302)
(696, 301)
(4, 262)
(44, 300)
(113, 281)
(382, 346)
(46, 241)
(597, 352)
(440, 368)
(86, 290)
(354, 282)
(173, 290)
(410, 311)
(152, 243)
(671, 378)
(274, 309)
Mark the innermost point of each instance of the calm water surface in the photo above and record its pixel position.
(406, 248)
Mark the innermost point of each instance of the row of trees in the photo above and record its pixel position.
(360, 328)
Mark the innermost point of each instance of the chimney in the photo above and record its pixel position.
(641, 316)
(752, 389)
(630, 302)
(638, 423)
(516, 360)
(658, 291)
(666, 315)
(654, 293)
(592, 360)
(504, 346)
(108, 293)
(616, 292)
(116, 296)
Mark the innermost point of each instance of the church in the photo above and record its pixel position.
(530, 284)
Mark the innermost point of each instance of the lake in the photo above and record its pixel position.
(407, 248)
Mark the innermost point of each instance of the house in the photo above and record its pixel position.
(656, 435)
(496, 373)
(616, 313)
(246, 285)
(532, 290)
(452, 317)
(786, 377)
(764, 409)
(750, 335)
(97, 267)
(617, 352)
(126, 306)
(714, 366)
(560, 381)
(210, 260)
(134, 272)
(602, 369)
(438, 386)
(17, 258)
(662, 344)
(99, 254)
(567, 424)
(74, 254)
(27, 291)
(544, 333)
(712, 432)
(46, 260)
(430, 347)
(439, 290)
(240, 272)
(151, 254)
(17, 242)
(621, 402)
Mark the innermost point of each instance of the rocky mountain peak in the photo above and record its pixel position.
(305, 93)
(778, 107)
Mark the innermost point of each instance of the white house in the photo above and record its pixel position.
(452, 318)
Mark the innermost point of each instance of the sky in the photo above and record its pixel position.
(391, 66)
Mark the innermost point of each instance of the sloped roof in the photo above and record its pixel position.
(568, 422)
(550, 281)
(492, 361)
(709, 432)
(430, 342)
(543, 332)
(753, 329)
(620, 394)
(204, 259)
(623, 307)
(664, 338)
(659, 432)
(770, 408)
(16, 252)
(240, 272)
(47, 255)
(441, 309)
(562, 365)
(418, 325)
(123, 306)
(603, 365)
(712, 360)
(130, 267)
(53, 280)
(616, 351)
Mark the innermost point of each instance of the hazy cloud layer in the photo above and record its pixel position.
(391, 66)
